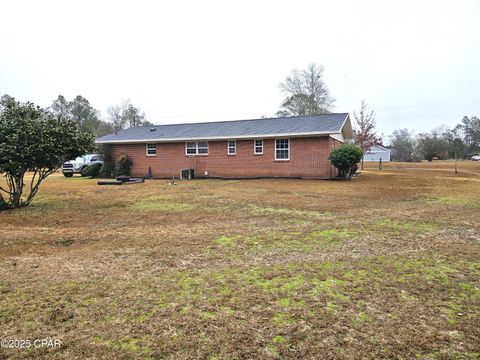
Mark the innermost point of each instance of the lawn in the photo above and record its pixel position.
(384, 266)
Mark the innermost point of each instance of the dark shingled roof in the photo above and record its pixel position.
(284, 126)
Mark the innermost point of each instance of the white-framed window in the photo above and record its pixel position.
(151, 149)
(202, 147)
(191, 148)
(282, 149)
(258, 147)
(196, 148)
(232, 147)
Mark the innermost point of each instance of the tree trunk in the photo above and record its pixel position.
(16, 196)
(456, 163)
(3, 203)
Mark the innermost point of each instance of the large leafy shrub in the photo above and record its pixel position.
(345, 158)
(123, 165)
(108, 168)
(92, 170)
(34, 140)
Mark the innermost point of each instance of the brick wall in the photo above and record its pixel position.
(308, 158)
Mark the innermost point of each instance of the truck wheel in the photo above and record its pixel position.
(68, 174)
(81, 171)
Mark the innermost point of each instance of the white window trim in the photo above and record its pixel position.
(196, 148)
(228, 147)
(146, 150)
(255, 147)
(287, 159)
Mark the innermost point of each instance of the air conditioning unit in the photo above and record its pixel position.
(187, 174)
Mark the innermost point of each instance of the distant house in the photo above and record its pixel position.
(376, 153)
(271, 147)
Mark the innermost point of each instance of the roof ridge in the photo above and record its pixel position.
(244, 120)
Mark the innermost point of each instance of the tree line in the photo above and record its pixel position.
(119, 116)
(462, 141)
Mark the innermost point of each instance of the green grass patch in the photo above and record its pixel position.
(43, 199)
(406, 226)
(287, 212)
(160, 204)
(450, 354)
(290, 302)
(208, 314)
(282, 319)
(225, 241)
(330, 236)
(65, 242)
(291, 241)
(450, 201)
(278, 339)
(135, 345)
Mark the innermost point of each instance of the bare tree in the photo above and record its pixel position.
(403, 143)
(61, 107)
(126, 115)
(366, 135)
(306, 93)
(115, 116)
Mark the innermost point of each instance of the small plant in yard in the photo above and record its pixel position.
(345, 158)
(65, 242)
(92, 170)
(108, 168)
(123, 165)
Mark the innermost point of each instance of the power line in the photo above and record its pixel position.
(425, 106)
(407, 117)
(193, 116)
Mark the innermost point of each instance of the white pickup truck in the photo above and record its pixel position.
(76, 166)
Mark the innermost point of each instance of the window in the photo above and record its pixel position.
(202, 147)
(282, 149)
(258, 147)
(151, 149)
(191, 148)
(232, 147)
(196, 148)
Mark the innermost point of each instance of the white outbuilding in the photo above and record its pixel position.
(376, 153)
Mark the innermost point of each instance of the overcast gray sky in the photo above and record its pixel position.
(417, 63)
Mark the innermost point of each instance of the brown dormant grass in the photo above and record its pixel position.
(384, 266)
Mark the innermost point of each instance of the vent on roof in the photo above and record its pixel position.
(153, 129)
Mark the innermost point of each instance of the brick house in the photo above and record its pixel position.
(272, 147)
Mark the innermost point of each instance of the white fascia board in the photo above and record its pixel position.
(338, 137)
(380, 146)
(217, 138)
(347, 118)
